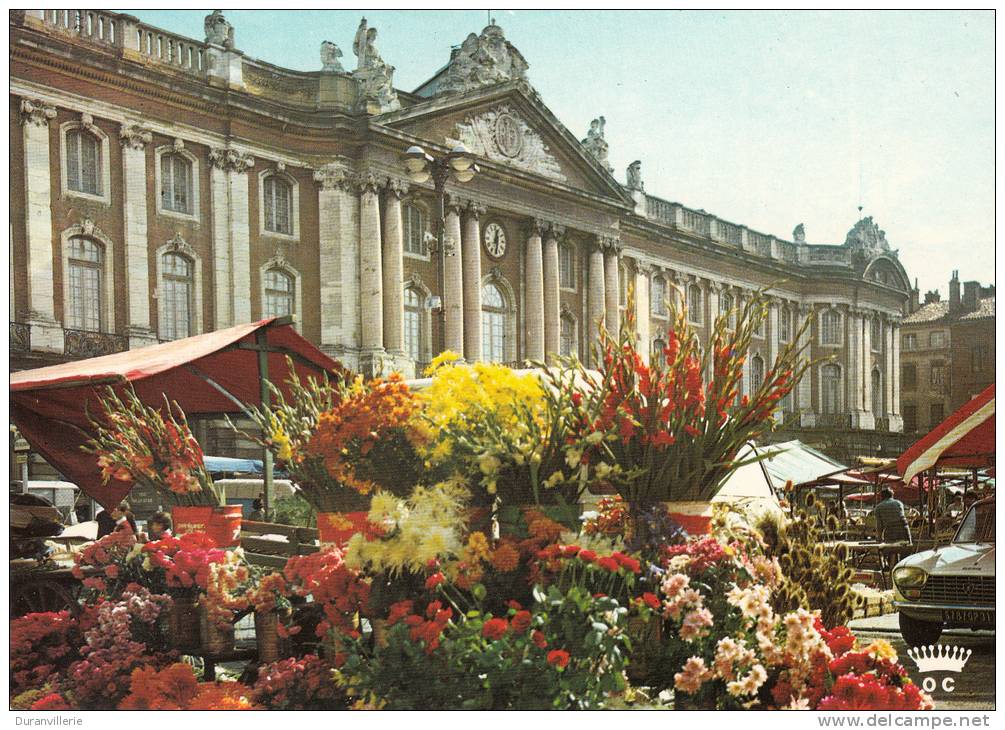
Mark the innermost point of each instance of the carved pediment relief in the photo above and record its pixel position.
(502, 135)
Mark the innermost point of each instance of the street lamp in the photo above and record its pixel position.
(458, 166)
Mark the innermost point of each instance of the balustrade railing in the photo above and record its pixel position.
(694, 221)
(729, 233)
(82, 343)
(173, 50)
(93, 25)
(20, 337)
(660, 210)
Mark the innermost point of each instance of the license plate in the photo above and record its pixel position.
(967, 617)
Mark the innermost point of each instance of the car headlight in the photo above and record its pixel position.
(909, 577)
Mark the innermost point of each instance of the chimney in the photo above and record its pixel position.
(932, 296)
(971, 291)
(954, 292)
(915, 303)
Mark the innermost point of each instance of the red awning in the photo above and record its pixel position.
(50, 405)
(966, 438)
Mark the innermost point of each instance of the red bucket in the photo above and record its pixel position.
(338, 527)
(694, 524)
(191, 519)
(225, 525)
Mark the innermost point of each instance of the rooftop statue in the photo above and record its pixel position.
(483, 60)
(375, 76)
(219, 32)
(634, 175)
(867, 235)
(330, 55)
(595, 143)
(799, 234)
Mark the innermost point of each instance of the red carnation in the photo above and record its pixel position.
(434, 580)
(609, 564)
(520, 622)
(558, 658)
(651, 600)
(495, 628)
(587, 555)
(539, 641)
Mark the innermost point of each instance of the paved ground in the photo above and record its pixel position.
(974, 686)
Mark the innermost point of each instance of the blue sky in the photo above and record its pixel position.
(766, 119)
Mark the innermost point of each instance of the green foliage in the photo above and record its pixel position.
(296, 511)
(815, 577)
(475, 669)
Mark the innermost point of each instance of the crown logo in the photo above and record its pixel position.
(940, 658)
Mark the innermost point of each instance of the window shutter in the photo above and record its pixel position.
(73, 160)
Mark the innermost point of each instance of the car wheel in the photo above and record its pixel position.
(919, 633)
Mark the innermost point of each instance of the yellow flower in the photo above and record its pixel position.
(554, 480)
(444, 358)
(506, 558)
(489, 464)
(284, 451)
(882, 649)
(478, 546)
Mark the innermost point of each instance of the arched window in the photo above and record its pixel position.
(756, 373)
(877, 393)
(493, 324)
(413, 324)
(177, 296)
(567, 342)
(785, 324)
(277, 196)
(695, 300)
(659, 297)
(280, 290)
(566, 267)
(83, 162)
(726, 304)
(658, 356)
(84, 310)
(414, 223)
(830, 327)
(176, 183)
(830, 384)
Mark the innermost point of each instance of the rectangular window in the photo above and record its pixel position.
(695, 300)
(278, 201)
(937, 339)
(938, 374)
(978, 358)
(414, 230)
(909, 376)
(938, 413)
(910, 341)
(566, 267)
(413, 328)
(785, 325)
(910, 418)
(659, 297)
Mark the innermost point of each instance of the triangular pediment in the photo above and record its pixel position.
(508, 125)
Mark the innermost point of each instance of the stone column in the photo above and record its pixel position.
(338, 240)
(642, 314)
(371, 276)
(853, 366)
(888, 377)
(868, 417)
(453, 279)
(134, 224)
(46, 333)
(552, 309)
(231, 238)
(393, 268)
(612, 286)
(804, 391)
(471, 246)
(714, 297)
(534, 298)
(596, 300)
(896, 420)
(773, 347)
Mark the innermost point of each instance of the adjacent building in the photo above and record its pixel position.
(947, 351)
(164, 186)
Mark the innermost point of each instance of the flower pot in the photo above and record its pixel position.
(271, 647)
(191, 519)
(225, 525)
(215, 639)
(183, 624)
(335, 528)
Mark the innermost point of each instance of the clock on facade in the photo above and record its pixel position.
(495, 240)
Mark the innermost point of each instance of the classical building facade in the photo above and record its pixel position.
(164, 186)
(948, 352)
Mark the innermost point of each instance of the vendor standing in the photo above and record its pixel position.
(891, 522)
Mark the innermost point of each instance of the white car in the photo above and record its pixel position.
(951, 586)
